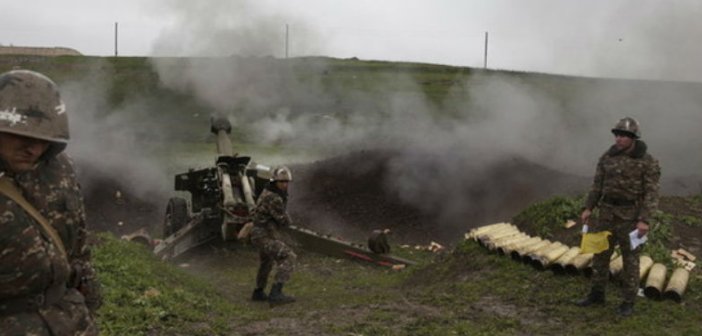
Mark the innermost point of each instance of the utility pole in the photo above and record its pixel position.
(287, 34)
(486, 49)
(116, 28)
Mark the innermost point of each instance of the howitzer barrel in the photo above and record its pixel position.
(221, 127)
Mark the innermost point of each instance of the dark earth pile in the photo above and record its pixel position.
(350, 195)
(112, 206)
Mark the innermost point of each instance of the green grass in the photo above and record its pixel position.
(210, 296)
(659, 237)
(547, 217)
(514, 297)
(466, 292)
(143, 295)
(692, 221)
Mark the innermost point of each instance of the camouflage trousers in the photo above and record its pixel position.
(600, 263)
(69, 316)
(273, 251)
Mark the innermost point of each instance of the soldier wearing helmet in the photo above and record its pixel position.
(48, 286)
(625, 190)
(627, 127)
(270, 215)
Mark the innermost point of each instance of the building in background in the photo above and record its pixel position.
(39, 51)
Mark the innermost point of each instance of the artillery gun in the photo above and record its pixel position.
(222, 199)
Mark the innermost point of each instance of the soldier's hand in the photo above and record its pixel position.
(643, 228)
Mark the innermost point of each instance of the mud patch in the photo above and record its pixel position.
(345, 317)
(494, 306)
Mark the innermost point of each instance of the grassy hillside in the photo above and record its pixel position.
(342, 88)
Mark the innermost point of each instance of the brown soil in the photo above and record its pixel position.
(112, 206)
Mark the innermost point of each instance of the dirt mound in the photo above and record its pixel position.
(347, 196)
(112, 206)
(356, 193)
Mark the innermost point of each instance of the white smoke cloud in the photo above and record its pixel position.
(109, 143)
(460, 142)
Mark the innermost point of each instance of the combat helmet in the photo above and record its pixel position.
(31, 106)
(282, 174)
(628, 126)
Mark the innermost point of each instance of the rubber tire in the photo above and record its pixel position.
(176, 216)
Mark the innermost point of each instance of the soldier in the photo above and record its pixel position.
(625, 189)
(270, 215)
(47, 284)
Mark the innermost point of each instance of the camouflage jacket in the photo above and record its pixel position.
(270, 213)
(30, 263)
(626, 184)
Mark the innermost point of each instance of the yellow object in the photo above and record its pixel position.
(677, 284)
(595, 242)
(645, 263)
(655, 281)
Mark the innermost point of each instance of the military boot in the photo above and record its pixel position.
(625, 309)
(259, 295)
(277, 297)
(594, 298)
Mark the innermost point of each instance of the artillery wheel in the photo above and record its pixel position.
(176, 216)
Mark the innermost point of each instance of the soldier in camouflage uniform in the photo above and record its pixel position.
(625, 189)
(269, 216)
(47, 284)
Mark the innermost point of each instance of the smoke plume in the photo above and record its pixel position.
(486, 121)
(110, 144)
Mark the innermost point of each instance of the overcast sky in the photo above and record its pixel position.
(605, 38)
